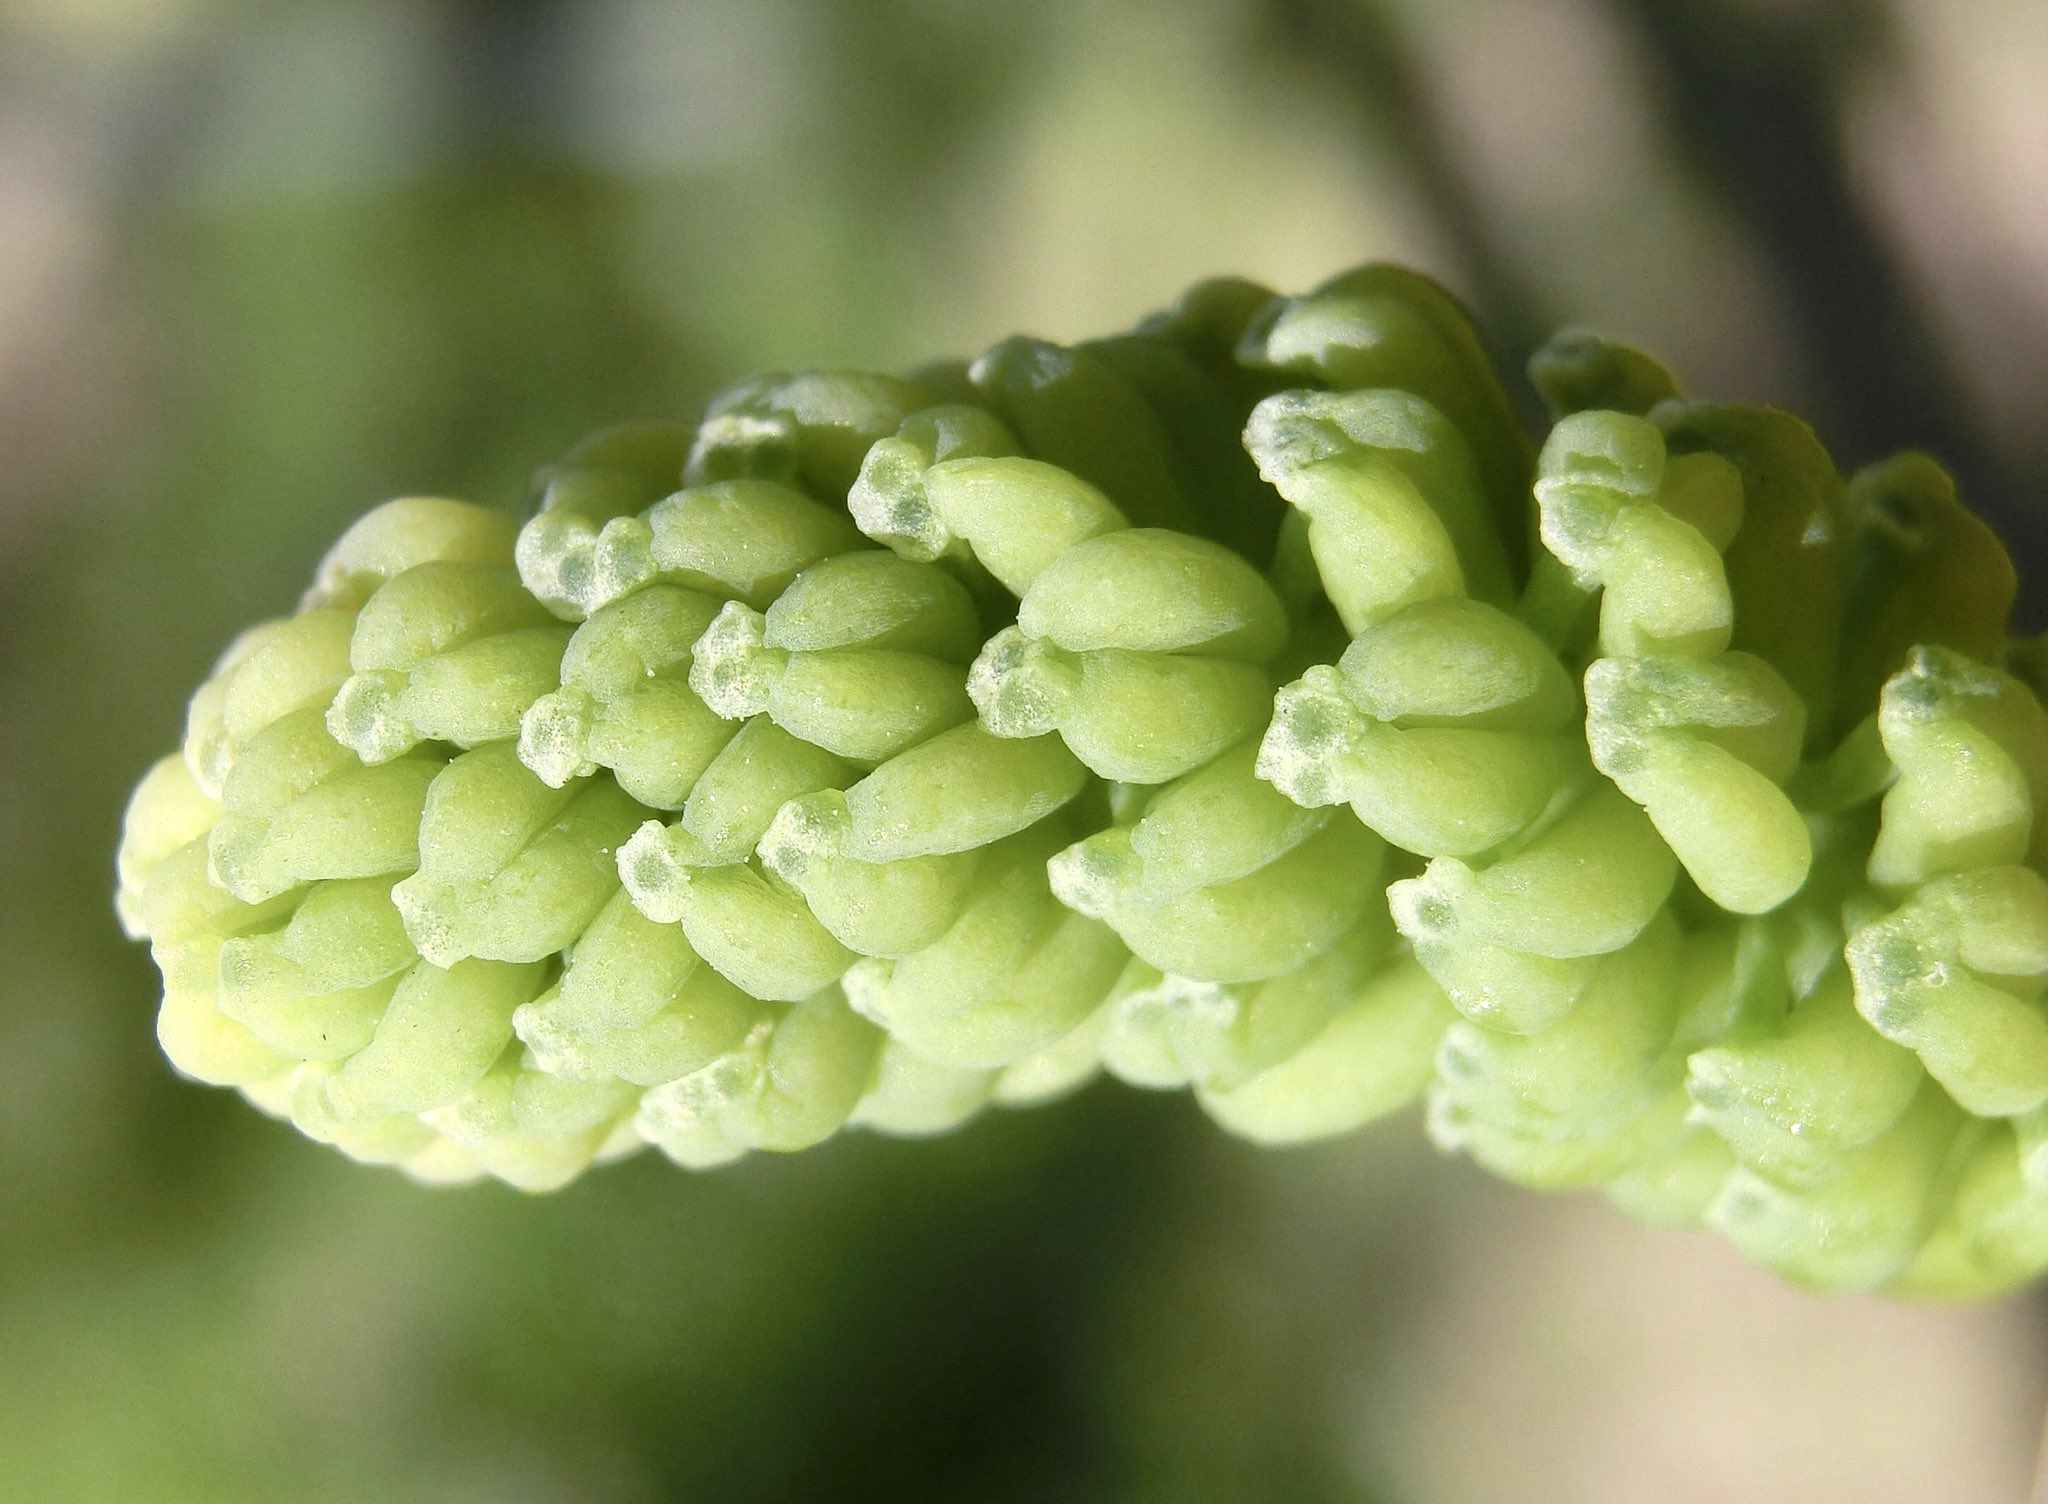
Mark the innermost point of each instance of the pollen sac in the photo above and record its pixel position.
(1578, 369)
(1513, 941)
(909, 1097)
(1583, 1080)
(1924, 571)
(390, 539)
(270, 672)
(1956, 974)
(1970, 746)
(1373, 1055)
(808, 429)
(634, 1003)
(1449, 728)
(1861, 1228)
(1994, 1232)
(1703, 745)
(534, 1130)
(876, 908)
(625, 703)
(1073, 409)
(444, 653)
(892, 503)
(316, 988)
(1396, 509)
(1014, 973)
(1793, 1099)
(1644, 527)
(1386, 327)
(792, 1082)
(863, 655)
(586, 544)
(1271, 891)
(1167, 1030)
(298, 806)
(510, 869)
(1010, 515)
(1142, 648)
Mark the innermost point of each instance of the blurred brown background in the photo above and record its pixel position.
(262, 265)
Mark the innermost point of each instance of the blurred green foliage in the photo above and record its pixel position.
(333, 253)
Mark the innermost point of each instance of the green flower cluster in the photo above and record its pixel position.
(1246, 703)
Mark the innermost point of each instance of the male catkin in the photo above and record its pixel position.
(1246, 703)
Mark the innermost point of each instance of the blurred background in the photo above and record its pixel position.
(262, 266)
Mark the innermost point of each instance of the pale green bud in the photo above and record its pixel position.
(530, 1129)
(1971, 748)
(1071, 409)
(195, 1036)
(1012, 516)
(1373, 1056)
(1792, 1100)
(1129, 717)
(1062, 1067)
(1214, 825)
(1784, 566)
(315, 989)
(634, 1002)
(625, 703)
(1448, 728)
(873, 599)
(510, 869)
(1154, 591)
(1014, 973)
(1385, 326)
(299, 806)
(442, 1030)
(1570, 1161)
(758, 771)
(1583, 886)
(1395, 507)
(1674, 1184)
(575, 565)
(1923, 570)
(1171, 1031)
(810, 429)
(388, 540)
(887, 908)
(912, 1098)
(792, 1082)
(1864, 1226)
(890, 501)
(1956, 974)
(1703, 745)
(1249, 928)
(271, 672)
(448, 653)
(167, 811)
(399, 1139)
(862, 704)
(1645, 528)
(746, 539)
(1200, 396)
(1576, 369)
(962, 789)
(1599, 1065)
(750, 925)
(1994, 1234)
(586, 544)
